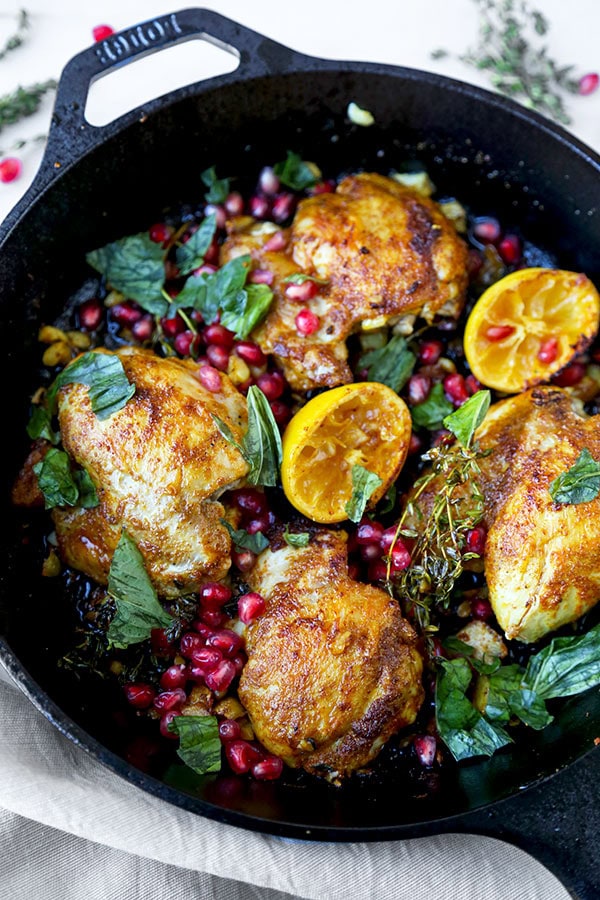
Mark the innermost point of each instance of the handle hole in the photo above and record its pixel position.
(135, 83)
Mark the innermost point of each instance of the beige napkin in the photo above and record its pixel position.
(87, 833)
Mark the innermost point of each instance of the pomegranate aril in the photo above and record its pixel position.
(203, 630)
(400, 558)
(226, 641)
(213, 594)
(212, 254)
(570, 376)
(251, 501)
(10, 169)
(160, 233)
(239, 660)
(548, 351)
(481, 609)
(218, 357)
(126, 314)
(425, 747)
(418, 389)
(243, 559)
(220, 678)
(415, 445)
(206, 659)
(143, 329)
(186, 343)
(210, 378)
(307, 322)
(276, 242)
(487, 230)
(172, 326)
(172, 699)
(509, 249)
(323, 187)
(250, 353)
(204, 269)
(261, 276)
(588, 83)
(456, 389)
(255, 525)
(250, 606)
(472, 385)
(139, 695)
(190, 641)
(369, 533)
(213, 618)
(283, 207)
(219, 335)
(370, 552)
(229, 730)
(218, 211)
(174, 677)
(475, 540)
(302, 292)
(165, 721)
(430, 352)
(281, 412)
(268, 769)
(268, 181)
(388, 538)
(90, 314)
(259, 206)
(101, 32)
(499, 332)
(272, 384)
(234, 204)
(160, 643)
(239, 756)
(377, 571)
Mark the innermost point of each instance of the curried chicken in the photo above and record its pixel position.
(158, 464)
(333, 669)
(384, 254)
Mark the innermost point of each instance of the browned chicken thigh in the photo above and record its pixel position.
(383, 255)
(333, 669)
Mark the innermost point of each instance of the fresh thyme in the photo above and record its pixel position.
(18, 38)
(511, 51)
(23, 101)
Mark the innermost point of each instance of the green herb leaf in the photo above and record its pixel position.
(243, 541)
(530, 708)
(88, 496)
(134, 266)
(55, 479)
(364, 485)
(40, 425)
(465, 420)
(218, 188)
(138, 609)
(296, 538)
(391, 364)
(301, 277)
(242, 313)
(262, 441)
(104, 375)
(209, 293)
(294, 173)
(191, 254)
(431, 413)
(580, 483)
(388, 501)
(199, 742)
(566, 666)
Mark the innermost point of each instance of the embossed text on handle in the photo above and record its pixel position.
(126, 43)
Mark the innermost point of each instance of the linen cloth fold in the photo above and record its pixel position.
(87, 833)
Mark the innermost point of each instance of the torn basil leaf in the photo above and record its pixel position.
(191, 254)
(40, 425)
(431, 413)
(55, 479)
(301, 278)
(364, 485)
(243, 541)
(465, 420)
(566, 666)
(242, 313)
(580, 483)
(138, 610)
(391, 364)
(217, 188)
(135, 267)
(88, 496)
(208, 293)
(296, 538)
(294, 173)
(104, 376)
(262, 441)
(199, 742)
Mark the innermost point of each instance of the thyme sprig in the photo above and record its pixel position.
(23, 101)
(18, 38)
(518, 65)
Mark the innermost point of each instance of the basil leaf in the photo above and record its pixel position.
(243, 541)
(138, 609)
(104, 375)
(218, 188)
(504, 682)
(88, 496)
(301, 277)
(191, 254)
(242, 313)
(55, 479)
(431, 413)
(389, 500)
(199, 742)
(465, 420)
(580, 483)
(566, 666)
(262, 441)
(530, 708)
(40, 425)
(210, 292)
(296, 538)
(294, 173)
(135, 267)
(227, 433)
(391, 364)
(364, 485)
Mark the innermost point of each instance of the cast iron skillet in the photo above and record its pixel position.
(97, 184)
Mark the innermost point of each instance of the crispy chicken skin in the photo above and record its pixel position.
(385, 253)
(158, 465)
(333, 670)
(542, 559)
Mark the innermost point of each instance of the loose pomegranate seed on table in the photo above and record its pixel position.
(588, 83)
(10, 169)
(101, 32)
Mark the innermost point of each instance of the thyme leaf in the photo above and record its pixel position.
(23, 101)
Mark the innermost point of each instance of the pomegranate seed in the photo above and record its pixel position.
(160, 233)
(261, 276)
(281, 412)
(213, 618)
(239, 660)
(250, 606)
(226, 641)
(204, 269)
(354, 571)
(570, 376)
(588, 83)
(387, 538)
(126, 314)
(250, 353)
(474, 262)
(425, 747)
(190, 641)
(302, 292)
(475, 540)
(234, 204)
(509, 249)
(481, 609)
(268, 769)
(101, 32)
(255, 525)
(415, 444)
(548, 351)
(243, 559)
(472, 385)
(170, 699)
(206, 659)
(10, 169)
(173, 326)
(159, 642)
(143, 329)
(186, 343)
(400, 557)
(229, 730)
(211, 257)
(221, 677)
(430, 352)
(268, 181)
(277, 241)
(323, 187)
(165, 721)
(370, 552)
(251, 501)
(369, 533)
(213, 594)
(218, 335)
(377, 571)
(203, 630)
(418, 389)
(487, 230)
(210, 378)
(90, 314)
(272, 384)
(174, 677)
(499, 332)
(307, 322)
(239, 755)
(139, 695)
(455, 389)
(218, 211)
(283, 207)
(259, 206)
(218, 357)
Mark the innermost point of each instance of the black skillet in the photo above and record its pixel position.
(97, 184)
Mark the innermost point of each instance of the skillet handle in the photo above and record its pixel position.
(71, 134)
